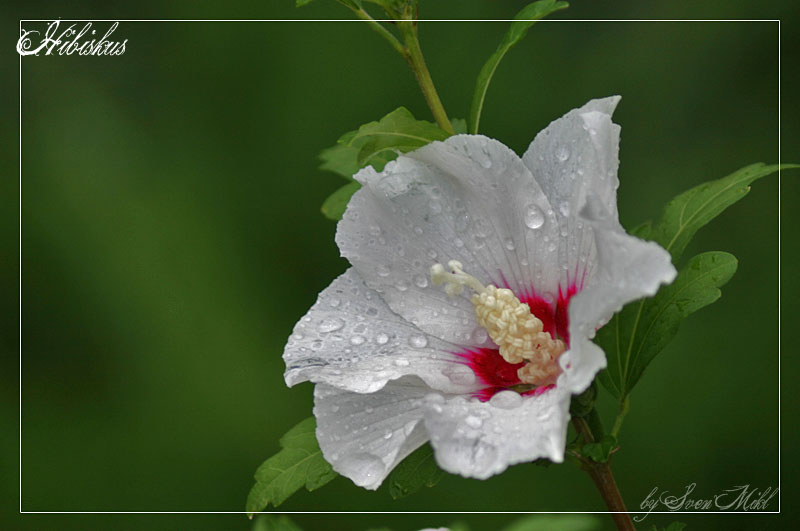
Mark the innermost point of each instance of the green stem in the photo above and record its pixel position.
(380, 30)
(624, 406)
(604, 480)
(417, 62)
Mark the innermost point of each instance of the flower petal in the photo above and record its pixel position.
(469, 199)
(627, 269)
(350, 339)
(480, 439)
(573, 157)
(364, 436)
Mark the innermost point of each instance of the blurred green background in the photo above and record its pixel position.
(171, 238)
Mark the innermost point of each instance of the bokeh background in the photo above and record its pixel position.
(171, 238)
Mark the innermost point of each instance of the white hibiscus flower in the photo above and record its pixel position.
(483, 367)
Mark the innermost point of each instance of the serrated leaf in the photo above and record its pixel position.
(571, 522)
(642, 329)
(270, 522)
(522, 23)
(688, 212)
(336, 203)
(398, 131)
(416, 471)
(299, 463)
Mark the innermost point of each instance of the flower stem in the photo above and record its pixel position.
(624, 406)
(413, 54)
(604, 480)
(380, 30)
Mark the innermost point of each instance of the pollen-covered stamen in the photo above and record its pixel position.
(510, 324)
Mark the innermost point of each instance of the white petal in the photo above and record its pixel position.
(350, 339)
(467, 199)
(365, 436)
(480, 439)
(576, 156)
(627, 269)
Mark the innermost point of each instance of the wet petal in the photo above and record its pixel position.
(576, 156)
(627, 269)
(350, 339)
(469, 199)
(479, 439)
(365, 436)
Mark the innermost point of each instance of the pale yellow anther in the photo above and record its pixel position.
(510, 324)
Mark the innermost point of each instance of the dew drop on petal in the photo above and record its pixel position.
(506, 400)
(418, 341)
(562, 153)
(330, 324)
(383, 270)
(382, 339)
(335, 302)
(421, 281)
(401, 362)
(357, 340)
(534, 218)
(459, 374)
(479, 335)
(473, 422)
(369, 467)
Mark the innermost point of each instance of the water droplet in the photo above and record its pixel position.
(383, 270)
(382, 339)
(473, 422)
(534, 218)
(562, 153)
(402, 285)
(330, 324)
(418, 341)
(564, 208)
(509, 243)
(316, 345)
(367, 468)
(388, 434)
(459, 374)
(479, 335)
(402, 362)
(506, 400)
(335, 303)
(421, 281)
(357, 340)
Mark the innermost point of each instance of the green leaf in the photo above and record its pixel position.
(398, 131)
(271, 522)
(301, 3)
(571, 522)
(643, 328)
(601, 450)
(522, 23)
(688, 212)
(459, 125)
(336, 203)
(416, 471)
(299, 463)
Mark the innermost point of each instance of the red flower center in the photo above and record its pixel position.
(495, 373)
